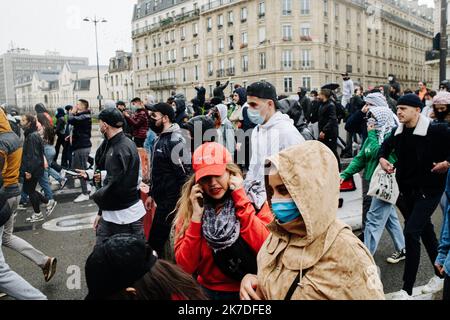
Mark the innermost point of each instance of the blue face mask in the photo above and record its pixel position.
(255, 116)
(285, 210)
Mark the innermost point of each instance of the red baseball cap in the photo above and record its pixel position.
(210, 159)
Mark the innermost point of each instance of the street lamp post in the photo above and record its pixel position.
(95, 21)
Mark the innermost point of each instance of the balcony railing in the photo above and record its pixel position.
(305, 38)
(216, 4)
(306, 65)
(166, 22)
(221, 73)
(163, 84)
(231, 72)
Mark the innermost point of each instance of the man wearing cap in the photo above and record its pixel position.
(423, 152)
(274, 132)
(168, 173)
(120, 207)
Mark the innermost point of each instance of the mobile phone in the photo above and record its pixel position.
(201, 203)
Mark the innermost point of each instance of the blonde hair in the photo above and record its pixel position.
(184, 209)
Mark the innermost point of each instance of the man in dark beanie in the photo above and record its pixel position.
(120, 207)
(423, 152)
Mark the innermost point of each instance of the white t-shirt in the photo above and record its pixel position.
(126, 216)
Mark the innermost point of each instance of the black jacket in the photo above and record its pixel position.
(168, 174)
(434, 147)
(60, 127)
(328, 122)
(357, 123)
(82, 128)
(33, 154)
(218, 91)
(201, 95)
(120, 159)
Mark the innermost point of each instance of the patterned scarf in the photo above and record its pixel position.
(384, 121)
(221, 230)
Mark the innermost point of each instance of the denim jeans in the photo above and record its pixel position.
(44, 182)
(14, 285)
(106, 230)
(382, 214)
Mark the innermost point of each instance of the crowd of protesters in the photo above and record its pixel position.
(242, 191)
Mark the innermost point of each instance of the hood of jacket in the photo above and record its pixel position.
(60, 113)
(181, 106)
(331, 261)
(242, 95)
(4, 123)
(316, 196)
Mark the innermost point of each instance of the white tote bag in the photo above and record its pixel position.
(384, 186)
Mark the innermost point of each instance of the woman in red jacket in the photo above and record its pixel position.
(218, 232)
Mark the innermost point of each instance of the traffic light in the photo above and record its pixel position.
(437, 42)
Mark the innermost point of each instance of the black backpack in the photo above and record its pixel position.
(236, 261)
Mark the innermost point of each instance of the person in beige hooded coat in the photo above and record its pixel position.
(315, 256)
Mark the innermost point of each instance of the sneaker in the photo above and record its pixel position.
(50, 207)
(397, 257)
(401, 295)
(436, 284)
(2, 294)
(37, 217)
(49, 269)
(82, 198)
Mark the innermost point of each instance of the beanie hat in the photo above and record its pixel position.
(410, 100)
(442, 97)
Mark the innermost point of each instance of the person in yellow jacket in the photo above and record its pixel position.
(310, 254)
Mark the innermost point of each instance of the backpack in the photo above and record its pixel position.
(236, 261)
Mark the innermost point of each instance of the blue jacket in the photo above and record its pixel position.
(443, 258)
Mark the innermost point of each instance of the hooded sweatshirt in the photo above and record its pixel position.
(333, 264)
(278, 134)
(10, 152)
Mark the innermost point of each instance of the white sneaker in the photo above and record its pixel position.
(401, 295)
(36, 217)
(82, 198)
(2, 294)
(50, 207)
(436, 284)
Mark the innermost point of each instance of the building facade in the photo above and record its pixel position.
(60, 88)
(119, 79)
(19, 63)
(290, 43)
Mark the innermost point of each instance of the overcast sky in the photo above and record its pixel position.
(56, 25)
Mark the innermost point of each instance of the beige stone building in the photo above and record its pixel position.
(291, 43)
(119, 79)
